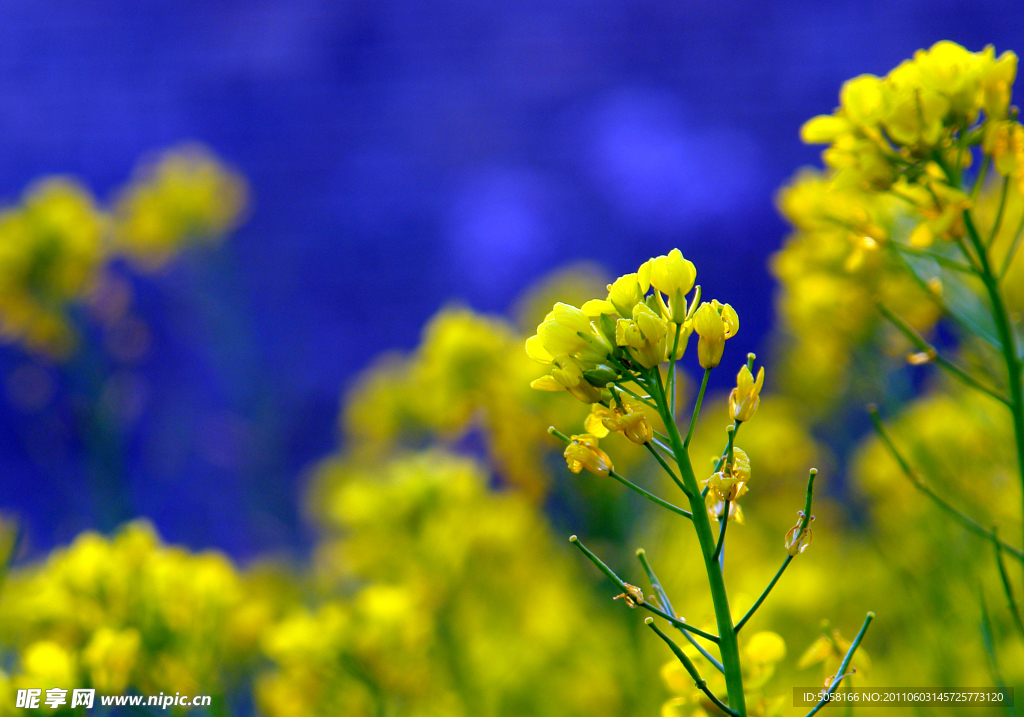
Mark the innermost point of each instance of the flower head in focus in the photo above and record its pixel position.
(727, 484)
(629, 418)
(583, 452)
(629, 331)
(714, 323)
(745, 398)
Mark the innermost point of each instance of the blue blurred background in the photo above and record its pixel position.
(403, 154)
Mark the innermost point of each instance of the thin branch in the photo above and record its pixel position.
(841, 672)
(721, 534)
(672, 369)
(696, 408)
(699, 681)
(789, 558)
(999, 213)
(678, 622)
(939, 259)
(635, 395)
(922, 345)
(630, 484)
(1014, 245)
(1014, 610)
(919, 483)
(651, 497)
(666, 604)
(988, 640)
(668, 470)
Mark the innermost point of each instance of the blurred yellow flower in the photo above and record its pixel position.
(186, 196)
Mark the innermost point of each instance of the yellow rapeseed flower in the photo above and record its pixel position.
(582, 452)
(673, 276)
(745, 398)
(714, 323)
(187, 196)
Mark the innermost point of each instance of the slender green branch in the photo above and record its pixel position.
(720, 545)
(630, 484)
(1014, 245)
(696, 408)
(699, 681)
(997, 224)
(1006, 339)
(988, 640)
(635, 395)
(665, 465)
(1007, 586)
(789, 558)
(980, 179)
(919, 483)
(968, 326)
(733, 430)
(659, 440)
(841, 672)
(666, 604)
(764, 595)
(650, 496)
(938, 258)
(625, 588)
(922, 345)
(970, 254)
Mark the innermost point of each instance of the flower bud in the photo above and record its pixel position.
(744, 399)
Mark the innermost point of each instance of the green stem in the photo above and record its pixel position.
(980, 179)
(728, 644)
(1014, 245)
(841, 672)
(1007, 341)
(789, 558)
(918, 482)
(635, 395)
(727, 453)
(665, 465)
(720, 545)
(988, 640)
(624, 587)
(666, 604)
(921, 345)
(672, 367)
(628, 483)
(1007, 587)
(999, 213)
(937, 258)
(696, 408)
(699, 681)
(650, 496)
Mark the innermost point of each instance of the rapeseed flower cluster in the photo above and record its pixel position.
(436, 601)
(58, 243)
(607, 339)
(131, 613)
(762, 652)
(51, 253)
(900, 149)
(466, 375)
(915, 224)
(185, 196)
(610, 353)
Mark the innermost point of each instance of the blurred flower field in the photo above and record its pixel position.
(442, 582)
